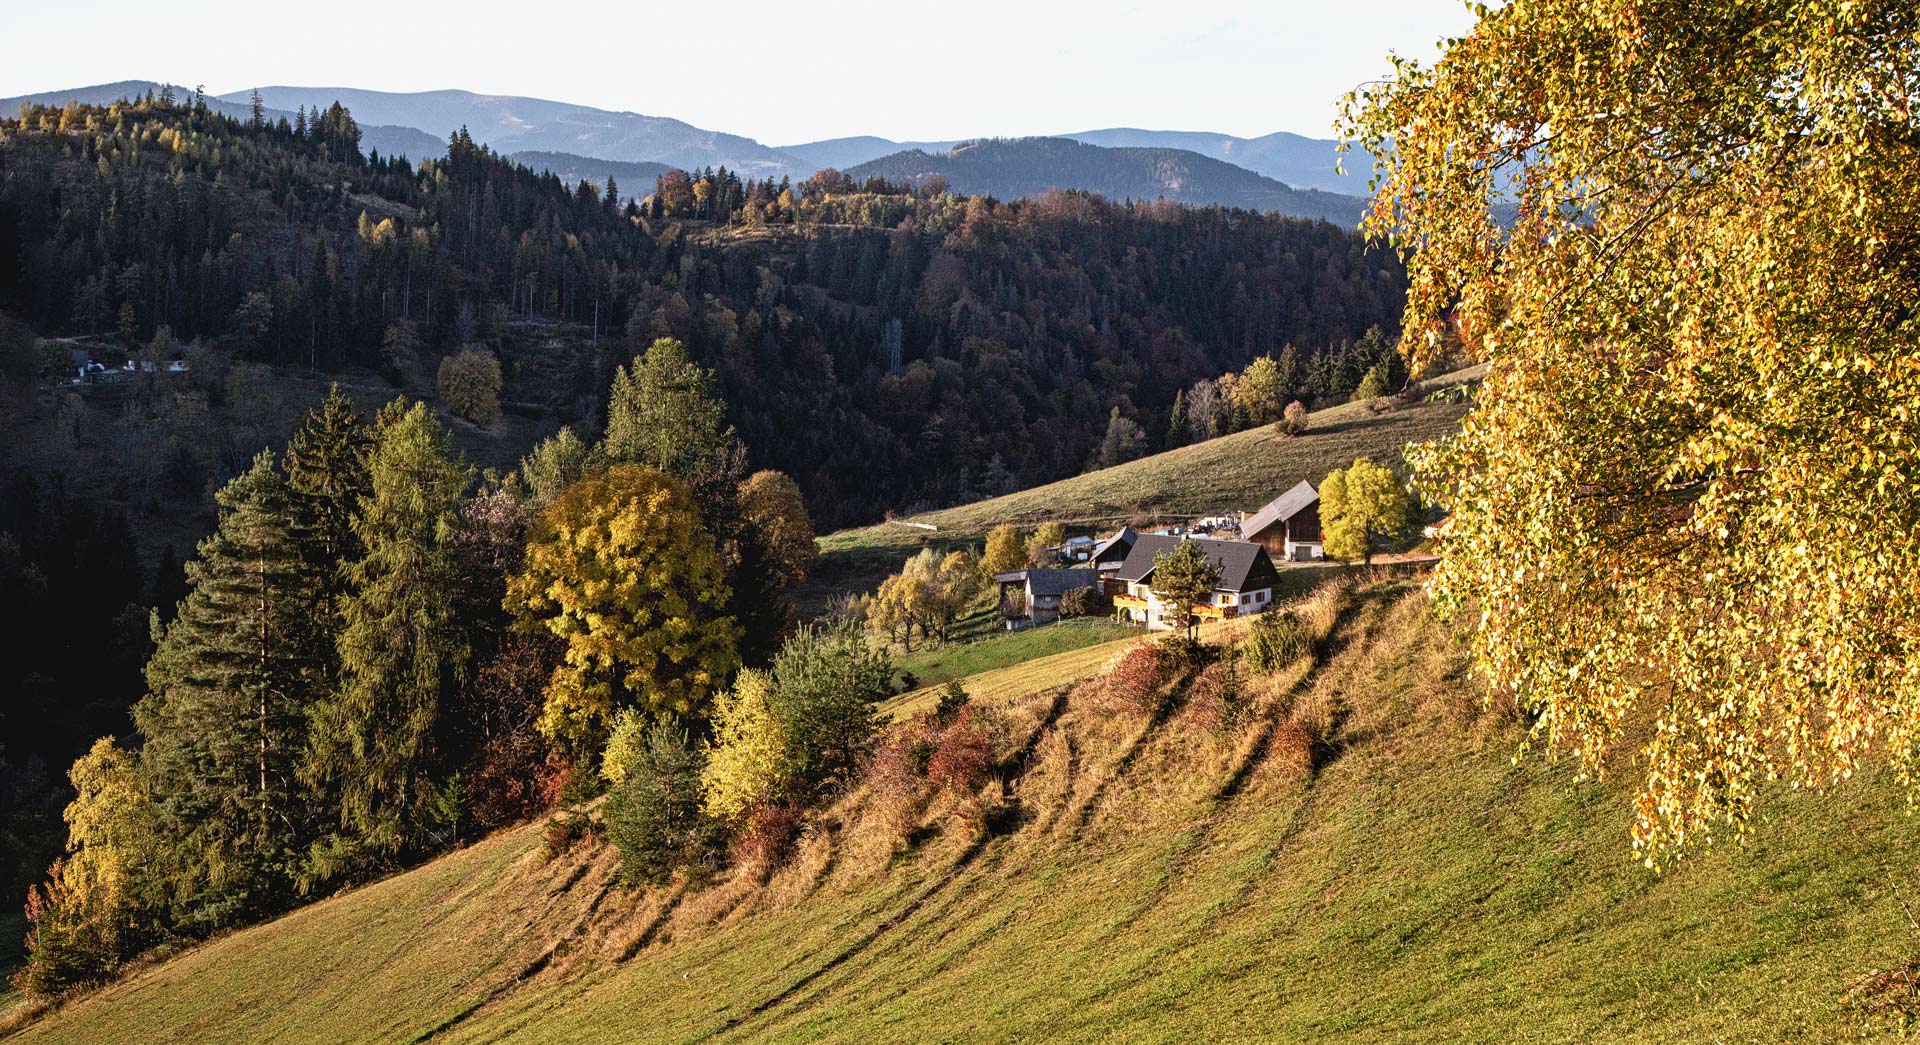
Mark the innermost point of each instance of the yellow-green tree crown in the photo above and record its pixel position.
(1682, 234)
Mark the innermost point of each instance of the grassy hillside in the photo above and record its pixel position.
(1129, 877)
(1240, 471)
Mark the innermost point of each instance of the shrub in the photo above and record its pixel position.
(1290, 750)
(1213, 696)
(65, 948)
(749, 768)
(654, 817)
(1136, 680)
(1278, 638)
(1293, 421)
(1181, 653)
(1086, 602)
(470, 384)
(563, 830)
(894, 774)
(626, 745)
(768, 835)
(963, 758)
(1373, 384)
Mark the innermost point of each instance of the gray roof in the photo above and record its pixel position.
(1050, 582)
(1124, 540)
(1280, 509)
(1243, 565)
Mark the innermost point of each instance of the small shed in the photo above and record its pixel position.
(1041, 591)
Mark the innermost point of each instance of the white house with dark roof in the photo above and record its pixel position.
(1247, 578)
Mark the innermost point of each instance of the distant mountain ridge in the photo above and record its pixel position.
(1278, 171)
(1295, 159)
(635, 180)
(513, 124)
(1016, 167)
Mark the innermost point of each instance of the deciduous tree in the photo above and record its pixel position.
(1687, 495)
(1360, 506)
(621, 568)
(775, 515)
(748, 765)
(1005, 551)
(469, 383)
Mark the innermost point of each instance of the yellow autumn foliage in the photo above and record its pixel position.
(748, 765)
(622, 568)
(1683, 236)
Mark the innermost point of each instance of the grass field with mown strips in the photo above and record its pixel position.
(1131, 876)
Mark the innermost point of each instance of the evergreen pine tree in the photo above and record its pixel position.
(1177, 421)
(327, 475)
(401, 652)
(224, 718)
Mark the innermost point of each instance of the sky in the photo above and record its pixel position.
(781, 72)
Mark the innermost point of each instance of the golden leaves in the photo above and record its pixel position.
(1690, 472)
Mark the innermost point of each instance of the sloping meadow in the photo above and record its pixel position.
(1341, 845)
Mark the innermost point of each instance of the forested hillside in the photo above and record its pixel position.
(897, 344)
(885, 346)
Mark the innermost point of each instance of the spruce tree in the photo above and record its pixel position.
(224, 718)
(1177, 421)
(327, 476)
(401, 652)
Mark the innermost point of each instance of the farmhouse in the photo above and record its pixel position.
(1246, 583)
(1289, 526)
(1040, 593)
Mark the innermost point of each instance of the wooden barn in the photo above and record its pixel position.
(1289, 526)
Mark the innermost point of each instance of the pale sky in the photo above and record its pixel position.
(779, 72)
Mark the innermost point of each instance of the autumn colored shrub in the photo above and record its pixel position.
(1136, 680)
(767, 837)
(1214, 694)
(963, 758)
(1290, 750)
(510, 781)
(65, 948)
(563, 830)
(1293, 421)
(896, 773)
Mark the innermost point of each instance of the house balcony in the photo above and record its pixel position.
(1130, 602)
